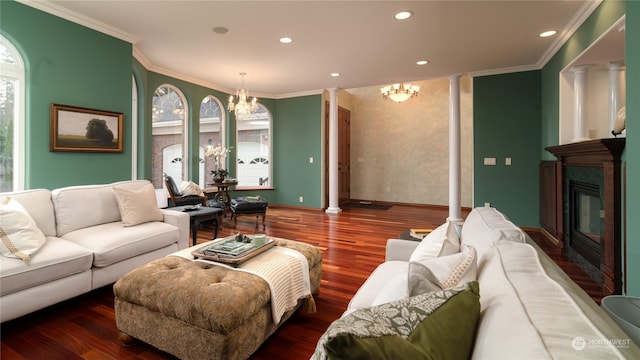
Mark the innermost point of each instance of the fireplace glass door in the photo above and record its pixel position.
(587, 220)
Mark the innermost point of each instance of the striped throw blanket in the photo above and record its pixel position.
(285, 270)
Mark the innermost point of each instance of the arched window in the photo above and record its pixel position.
(211, 134)
(12, 119)
(169, 130)
(253, 140)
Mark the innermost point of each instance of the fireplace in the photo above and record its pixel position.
(587, 218)
(585, 227)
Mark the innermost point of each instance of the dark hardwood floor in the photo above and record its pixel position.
(353, 244)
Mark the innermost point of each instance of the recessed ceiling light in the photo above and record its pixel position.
(220, 30)
(403, 15)
(547, 33)
(335, 74)
(286, 40)
(422, 62)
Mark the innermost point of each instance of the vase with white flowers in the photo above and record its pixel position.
(219, 154)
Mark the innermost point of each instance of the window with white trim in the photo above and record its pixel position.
(12, 119)
(211, 135)
(169, 133)
(253, 144)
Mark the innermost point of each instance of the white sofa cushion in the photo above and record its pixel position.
(38, 204)
(19, 234)
(394, 289)
(113, 242)
(527, 314)
(486, 227)
(442, 272)
(35, 298)
(383, 275)
(442, 241)
(137, 206)
(56, 259)
(79, 207)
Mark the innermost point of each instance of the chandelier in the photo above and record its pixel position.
(399, 92)
(242, 107)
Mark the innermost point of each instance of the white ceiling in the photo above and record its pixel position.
(359, 39)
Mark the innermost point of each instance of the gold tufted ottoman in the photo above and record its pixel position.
(195, 310)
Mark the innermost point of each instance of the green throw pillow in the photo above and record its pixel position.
(435, 325)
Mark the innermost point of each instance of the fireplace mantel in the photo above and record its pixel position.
(605, 154)
(589, 153)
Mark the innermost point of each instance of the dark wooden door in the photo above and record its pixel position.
(344, 155)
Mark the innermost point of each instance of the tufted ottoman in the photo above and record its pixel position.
(196, 310)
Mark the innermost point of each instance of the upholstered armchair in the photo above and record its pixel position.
(177, 198)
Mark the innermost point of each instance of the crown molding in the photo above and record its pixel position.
(581, 16)
(506, 70)
(138, 55)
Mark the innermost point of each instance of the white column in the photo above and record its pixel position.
(455, 208)
(580, 130)
(333, 207)
(616, 91)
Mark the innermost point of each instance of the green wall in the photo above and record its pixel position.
(506, 123)
(68, 64)
(632, 150)
(297, 137)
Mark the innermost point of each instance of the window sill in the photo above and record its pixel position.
(252, 188)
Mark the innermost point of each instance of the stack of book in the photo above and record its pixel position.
(235, 249)
(230, 247)
(419, 233)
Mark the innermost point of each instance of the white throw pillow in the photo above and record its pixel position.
(443, 272)
(190, 188)
(138, 206)
(19, 233)
(442, 241)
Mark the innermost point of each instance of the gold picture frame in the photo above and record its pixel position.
(85, 130)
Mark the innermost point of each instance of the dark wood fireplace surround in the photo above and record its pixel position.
(603, 153)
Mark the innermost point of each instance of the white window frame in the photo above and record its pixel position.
(16, 71)
(202, 148)
(268, 145)
(134, 128)
(185, 131)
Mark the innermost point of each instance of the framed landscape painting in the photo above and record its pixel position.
(79, 129)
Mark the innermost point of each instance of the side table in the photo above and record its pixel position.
(198, 216)
(406, 235)
(220, 192)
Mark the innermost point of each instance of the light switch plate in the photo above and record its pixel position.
(489, 161)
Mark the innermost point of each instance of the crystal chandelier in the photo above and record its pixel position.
(242, 107)
(400, 92)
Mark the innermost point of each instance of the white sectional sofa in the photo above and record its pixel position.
(87, 244)
(528, 307)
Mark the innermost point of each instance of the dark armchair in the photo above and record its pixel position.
(176, 197)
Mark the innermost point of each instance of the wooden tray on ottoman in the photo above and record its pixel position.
(229, 258)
